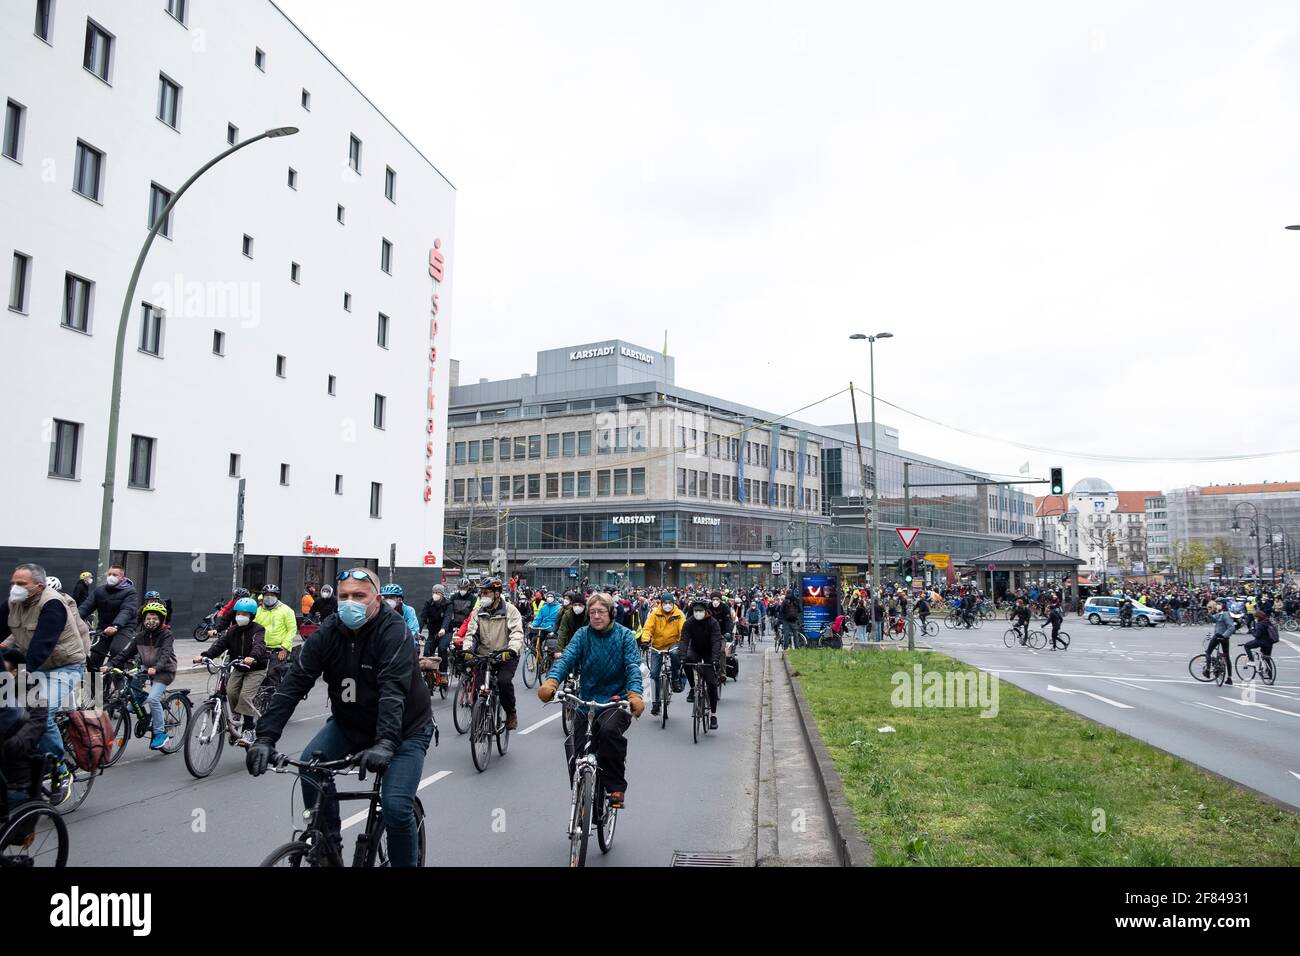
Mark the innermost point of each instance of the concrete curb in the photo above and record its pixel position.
(850, 848)
(765, 805)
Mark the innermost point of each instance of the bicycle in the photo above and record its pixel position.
(1262, 668)
(434, 679)
(206, 735)
(928, 628)
(700, 712)
(487, 717)
(1034, 638)
(68, 793)
(665, 689)
(462, 701)
(32, 833)
(1062, 637)
(127, 701)
(1212, 669)
(312, 846)
(591, 805)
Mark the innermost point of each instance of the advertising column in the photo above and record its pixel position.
(820, 596)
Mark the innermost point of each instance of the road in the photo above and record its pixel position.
(147, 810)
(1136, 680)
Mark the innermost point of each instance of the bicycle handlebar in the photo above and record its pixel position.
(561, 697)
(280, 763)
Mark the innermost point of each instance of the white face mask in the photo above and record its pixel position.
(716, 603)
(112, 580)
(269, 600)
(579, 608)
(668, 608)
(700, 615)
(390, 602)
(18, 594)
(242, 620)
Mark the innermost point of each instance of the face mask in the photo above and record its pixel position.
(242, 620)
(269, 601)
(151, 625)
(716, 603)
(390, 603)
(579, 608)
(461, 592)
(668, 608)
(700, 615)
(352, 613)
(18, 594)
(437, 595)
(550, 600)
(112, 580)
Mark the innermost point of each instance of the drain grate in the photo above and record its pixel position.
(682, 858)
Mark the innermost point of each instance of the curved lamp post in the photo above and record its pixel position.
(873, 542)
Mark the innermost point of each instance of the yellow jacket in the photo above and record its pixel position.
(280, 625)
(663, 630)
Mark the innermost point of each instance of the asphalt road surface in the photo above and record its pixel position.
(148, 810)
(1136, 680)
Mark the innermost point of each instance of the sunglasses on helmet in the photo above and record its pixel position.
(358, 574)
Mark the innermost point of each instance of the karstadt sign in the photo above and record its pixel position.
(604, 350)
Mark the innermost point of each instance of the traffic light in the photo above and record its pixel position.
(1058, 482)
(911, 570)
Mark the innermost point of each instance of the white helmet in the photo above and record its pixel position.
(53, 582)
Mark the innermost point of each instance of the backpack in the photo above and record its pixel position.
(90, 734)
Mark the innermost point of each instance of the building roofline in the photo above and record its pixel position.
(348, 80)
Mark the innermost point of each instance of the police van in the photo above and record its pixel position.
(1105, 610)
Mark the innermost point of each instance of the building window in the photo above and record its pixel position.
(517, 484)
(381, 404)
(473, 452)
(637, 438)
(151, 330)
(64, 449)
(620, 481)
(248, 246)
(715, 490)
(602, 484)
(158, 200)
(15, 114)
(584, 484)
(489, 449)
(306, 100)
(681, 481)
(570, 444)
(142, 450)
(259, 59)
(553, 445)
(340, 214)
(99, 50)
(169, 101)
(19, 281)
(521, 447)
(458, 490)
(338, 484)
(88, 172)
(354, 153)
(584, 443)
(218, 342)
(534, 447)
(281, 366)
(382, 333)
(390, 185)
(232, 134)
(347, 301)
(330, 385)
(638, 481)
(44, 19)
(604, 441)
(376, 498)
(534, 486)
(461, 456)
(566, 485)
(504, 449)
(284, 474)
(386, 256)
(77, 295)
(552, 485)
(295, 273)
(487, 488)
(293, 178)
(177, 9)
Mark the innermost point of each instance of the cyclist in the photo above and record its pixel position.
(245, 640)
(392, 595)
(791, 614)
(1265, 636)
(1224, 626)
(1056, 620)
(431, 617)
(459, 608)
(118, 605)
(754, 618)
(496, 626)
(663, 631)
(574, 617)
(610, 663)
(227, 612)
(154, 645)
(1020, 615)
(379, 708)
(281, 627)
(547, 616)
(923, 609)
(325, 604)
(157, 596)
(702, 644)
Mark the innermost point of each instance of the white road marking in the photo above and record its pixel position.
(1291, 644)
(1127, 684)
(1104, 700)
(1294, 774)
(1255, 703)
(299, 720)
(541, 723)
(358, 817)
(1260, 690)
(1222, 710)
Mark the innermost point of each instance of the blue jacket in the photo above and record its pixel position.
(610, 663)
(412, 619)
(546, 618)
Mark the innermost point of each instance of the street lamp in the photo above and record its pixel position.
(115, 403)
(873, 544)
(1256, 515)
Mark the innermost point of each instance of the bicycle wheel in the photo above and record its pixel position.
(1245, 668)
(502, 731)
(1199, 668)
(695, 713)
(35, 835)
(950, 622)
(204, 739)
(289, 854)
(378, 855)
(606, 824)
(1267, 670)
(897, 634)
(176, 718)
(1063, 639)
(72, 793)
(530, 664)
(121, 716)
(566, 717)
(1218, 670)
(581, 822)
(1011, 637)
(665, 695)
(462, 703)
(480, 735)
(1037, 640)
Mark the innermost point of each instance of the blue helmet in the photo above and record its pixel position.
(152, 596)
(246, 605)
(391, 590)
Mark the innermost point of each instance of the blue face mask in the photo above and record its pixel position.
(352, 613)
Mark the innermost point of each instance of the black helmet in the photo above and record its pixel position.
(242, 592)
(271, 589)
(699, 601)
(465, 583)
(490, 584)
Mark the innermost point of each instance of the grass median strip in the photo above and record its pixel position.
(1031, 784)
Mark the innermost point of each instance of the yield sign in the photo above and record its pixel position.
(908, 535)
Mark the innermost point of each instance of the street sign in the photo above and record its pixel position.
(776, 556)
(992, 567)
(940, 561)
(908, 535)
(776, 567)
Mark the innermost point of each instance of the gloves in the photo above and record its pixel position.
(258, 756)
(467, 657)
(546, 692)
(507, 656)
(377, 757)
(638, 705)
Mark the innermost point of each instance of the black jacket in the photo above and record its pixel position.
(459, 607)
(721, 614)
(18, 746)
(118, 607)
(432, 616)
(701, 640)
(324, 607)
(155, 649)
(791, 609)
(241, 642)
(80, 591)
(375, 666)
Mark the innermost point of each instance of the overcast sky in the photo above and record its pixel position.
(1070, 216)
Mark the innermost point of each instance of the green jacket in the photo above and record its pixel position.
(280, 624)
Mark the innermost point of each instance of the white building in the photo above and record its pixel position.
(1104, 527)
(283, 331)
